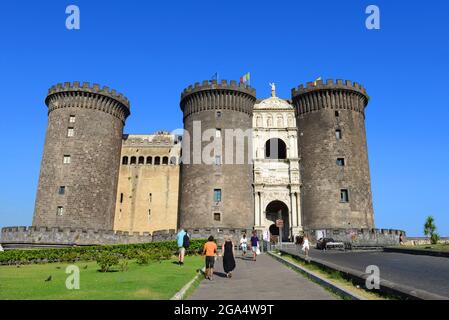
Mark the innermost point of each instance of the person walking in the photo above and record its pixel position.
(228, 257)
(254, 244)
(306, 246)
(244, 244)
(181, 248)
(210, 250)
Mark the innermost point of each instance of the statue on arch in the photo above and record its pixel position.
(273, 89)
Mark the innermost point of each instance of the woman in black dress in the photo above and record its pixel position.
(228, 257)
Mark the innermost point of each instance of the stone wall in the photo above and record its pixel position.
(213, 106)
(68, 236)
(86, 124)
(359, 237)
(323, 111)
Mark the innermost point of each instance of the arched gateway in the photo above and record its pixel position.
(278, 210)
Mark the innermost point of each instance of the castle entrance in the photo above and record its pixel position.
(278, 210)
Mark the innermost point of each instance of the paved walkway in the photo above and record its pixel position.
(265, 279)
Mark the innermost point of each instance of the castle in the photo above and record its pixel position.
(241, 164)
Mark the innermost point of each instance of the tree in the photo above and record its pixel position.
(430, 230)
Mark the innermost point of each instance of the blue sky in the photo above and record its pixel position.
(151, 50)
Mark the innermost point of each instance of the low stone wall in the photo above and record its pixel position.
(203, 233)
(22, 236)
(417, 241)
(359, 237)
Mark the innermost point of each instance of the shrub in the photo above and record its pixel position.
(143, 257)
(123, 265)
(90, 253)
(106, 260)
(434, 238)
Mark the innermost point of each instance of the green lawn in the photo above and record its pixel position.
(153, 281)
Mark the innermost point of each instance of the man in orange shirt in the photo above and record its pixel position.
(210, 249)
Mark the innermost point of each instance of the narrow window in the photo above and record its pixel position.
(217, 195)
(70, 132)
(66, 159)
(165, 160)
(157, 161)
(72, 119)
(217, 160)
(344, 195)
(61, 190)
(338, 134)
(341, 162)
(337, 114)
(151, 197)
(60, 211)
(217, 216)
(149, 160)
(125, 160)
(121, 197)
(133, 160)
(218, 114)
(173, 161)
(149, 213)
(218, 133)
(141, 160)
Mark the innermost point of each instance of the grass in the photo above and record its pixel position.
(337, 278)
(158, 281)
(428, 247)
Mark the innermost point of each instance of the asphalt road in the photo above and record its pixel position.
(418, 271)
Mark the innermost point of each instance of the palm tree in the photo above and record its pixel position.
(429, 230)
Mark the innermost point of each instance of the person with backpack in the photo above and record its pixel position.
(181, 249)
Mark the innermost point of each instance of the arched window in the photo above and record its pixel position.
(157, 161)
(275, 149)
(149, 160)
(125, 160)
(133, 160)
(165, 160)
(173, 160)
(141, 160)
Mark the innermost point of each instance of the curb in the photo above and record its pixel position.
(319, 279)
(418, 252)
(180, 295)
(386, 286)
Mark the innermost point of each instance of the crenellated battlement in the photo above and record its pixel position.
(211, 95)
(340, 94)
(329, 84)
(87, 87)
(214, 85)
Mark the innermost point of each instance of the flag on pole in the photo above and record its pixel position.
(245, 78)
(215, 76)
(316, 81)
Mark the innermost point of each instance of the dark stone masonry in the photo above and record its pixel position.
(76, 195)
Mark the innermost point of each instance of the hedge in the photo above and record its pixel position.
(90, 253)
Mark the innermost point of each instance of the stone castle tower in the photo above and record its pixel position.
(336, 187)
(81, 158)
(216, 189)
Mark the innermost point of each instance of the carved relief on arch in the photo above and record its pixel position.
(280, 121)
(290, 121)
(258, 121)
(269, 121)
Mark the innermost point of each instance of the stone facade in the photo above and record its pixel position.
(214, 111)
(148, 186)
(80, 163)
(336, 187)
(119, 188)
